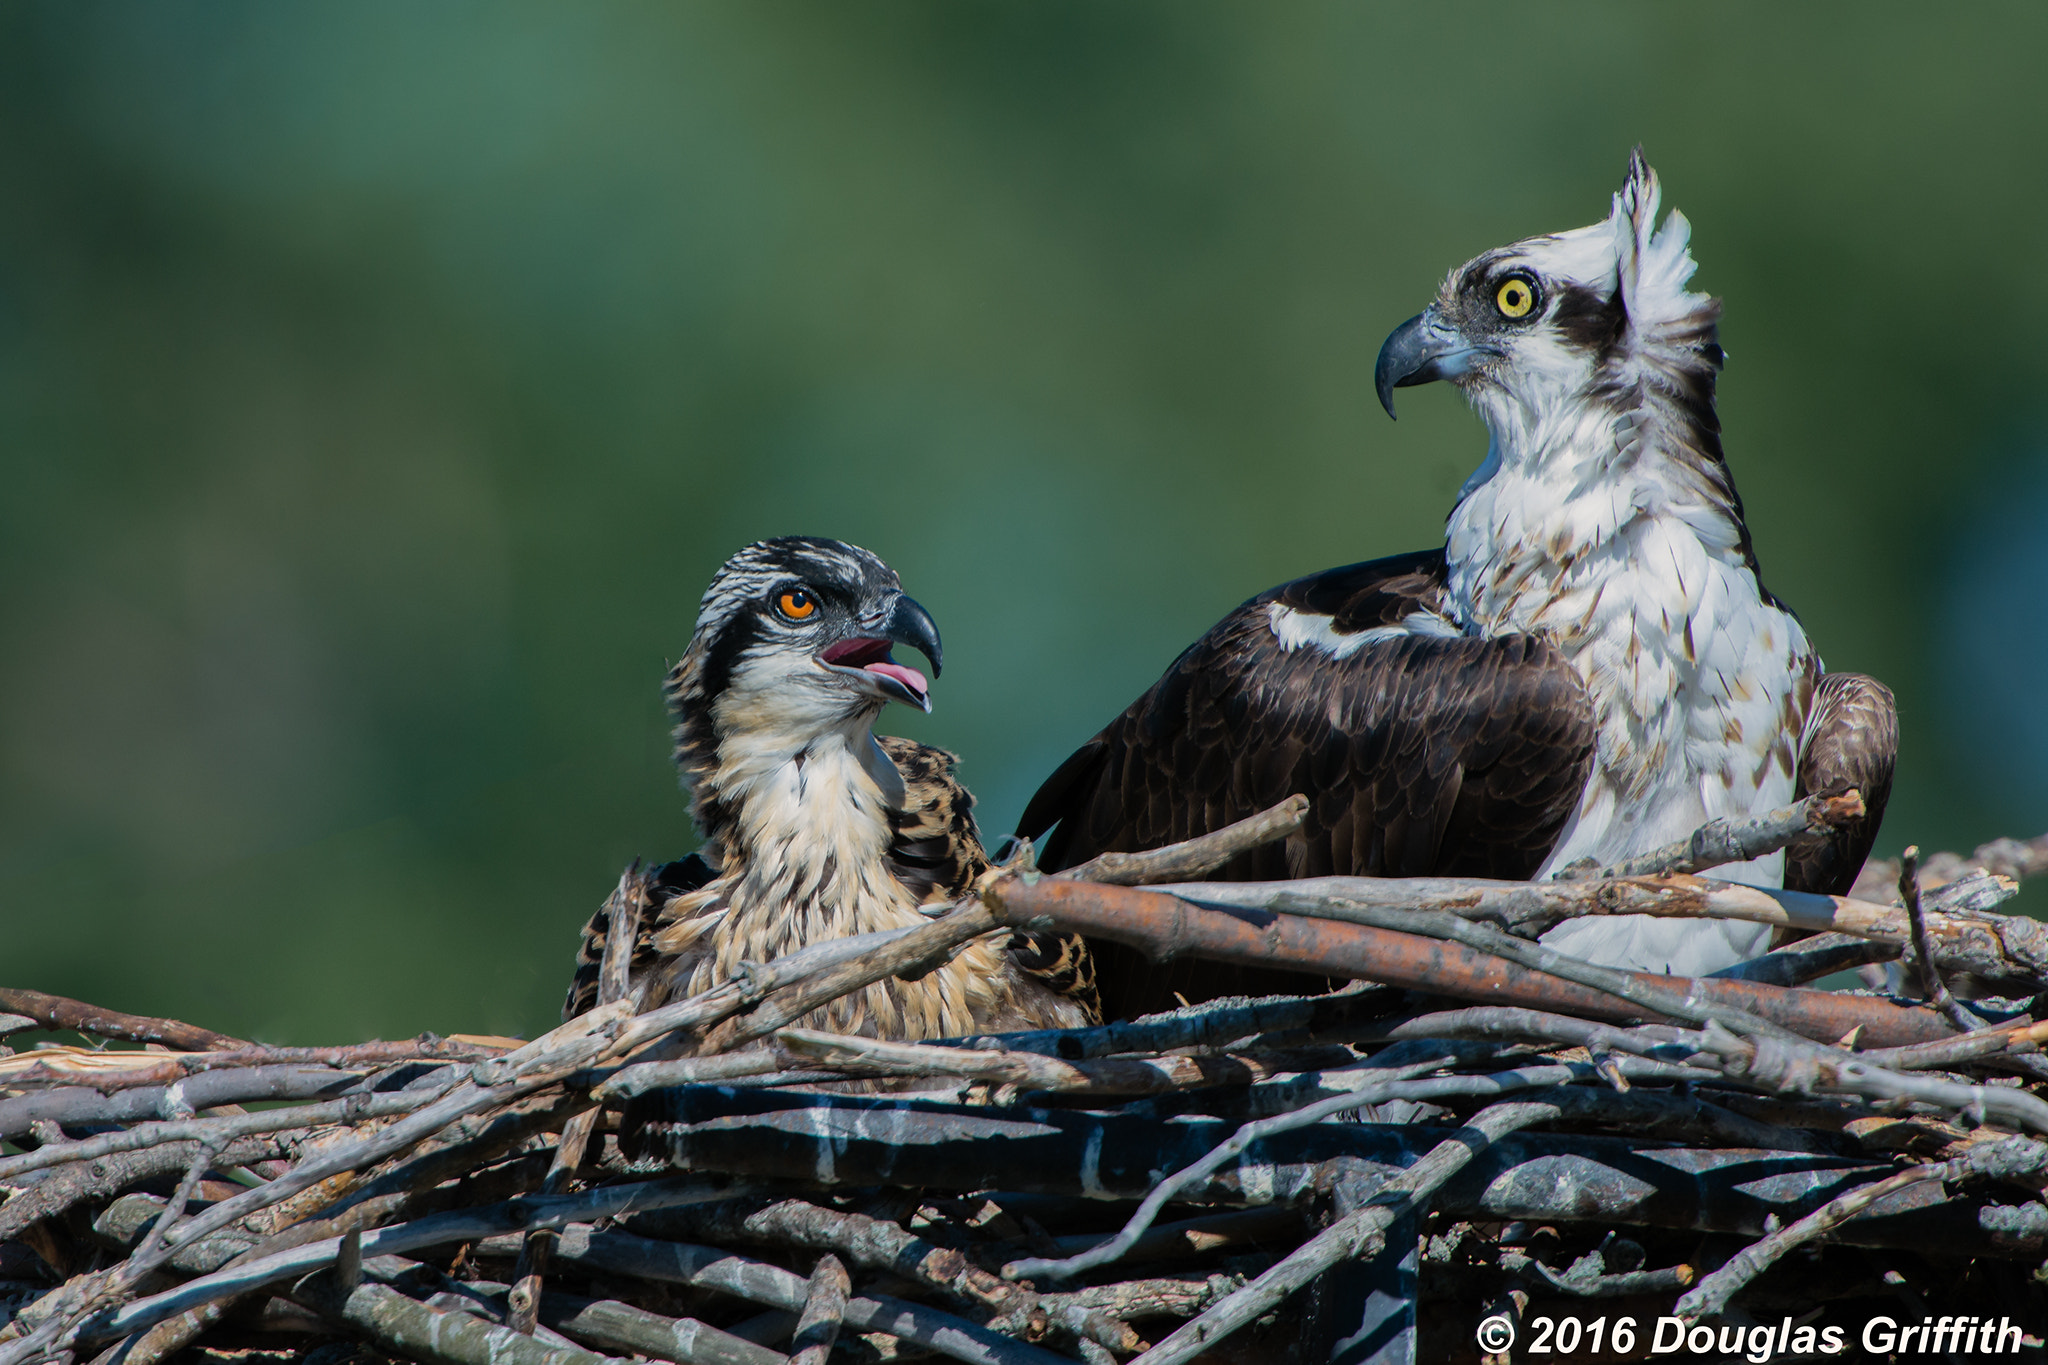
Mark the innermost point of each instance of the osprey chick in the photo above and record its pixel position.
(1589, 668)
(813, 828)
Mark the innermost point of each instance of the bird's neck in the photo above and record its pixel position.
(1600, 492)
(1606, 530)
(800, 833)
(805, 797)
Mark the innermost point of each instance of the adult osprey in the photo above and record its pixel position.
(1589, 668)
(813, 827)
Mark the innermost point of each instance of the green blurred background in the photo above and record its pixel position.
(380, 384)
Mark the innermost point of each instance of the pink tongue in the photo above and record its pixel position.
(909, 677)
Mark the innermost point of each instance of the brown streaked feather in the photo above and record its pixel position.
(1852, 741)
(1425, 755)
(938, 852)
(669, 881)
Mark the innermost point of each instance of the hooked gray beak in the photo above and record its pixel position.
(1421, 351)
(867, 657)
(912, 625)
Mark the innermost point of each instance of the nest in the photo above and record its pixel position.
(1477, 1148)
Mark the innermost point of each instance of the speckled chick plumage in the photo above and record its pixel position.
(813, 829)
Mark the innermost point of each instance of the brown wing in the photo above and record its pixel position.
(1421, 755)
(1852, 741)
(937, 852)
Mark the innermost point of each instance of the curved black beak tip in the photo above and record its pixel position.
(910, 624)
(1405, 360)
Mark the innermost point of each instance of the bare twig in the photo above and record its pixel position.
(2015, 858)
(1194, 857)
(622, 1253)
(1355, 1236)
(880, 1245)
(622, 1327)
(614, 981)
(1711, 1294)
(1400, 1086)
(220, 1130)
(57, 1012)
(1931, 984)
(434, 1230)
(1738, 841)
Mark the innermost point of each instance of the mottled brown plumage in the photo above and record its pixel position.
(814, 829)
(1852, 741)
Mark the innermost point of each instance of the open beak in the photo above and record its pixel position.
(867, 657)
(1422, 350)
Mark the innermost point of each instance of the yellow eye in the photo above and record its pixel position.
(1515, 297)
(797, 604)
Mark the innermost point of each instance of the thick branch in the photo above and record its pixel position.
(1738, 841)
(1471, 967)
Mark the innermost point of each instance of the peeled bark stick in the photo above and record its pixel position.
(226, 1129)
(411, 1330)
(1164, 925)
(1802, 1068)
(1212, 1024)
(1194, 857)
(968, 920)
(621, 1327)
(57, 1012)
(1710, 1296)
(881, 1245)
(614, 980)
(847, 1141)
(621, 1253)
(824, 1308)
(434, 1230)
(1962, 1049)
(1397, 1087)
(1354, 1236)
(2015, 858)
(180, 1100)
(1809, 959)
(1105, 1076)
(1738, 841)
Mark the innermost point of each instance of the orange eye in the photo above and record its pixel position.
(797, 605)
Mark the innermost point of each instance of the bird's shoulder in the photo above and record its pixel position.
(934, 846)
(667, 885)
(937, 852)
(1851, 741)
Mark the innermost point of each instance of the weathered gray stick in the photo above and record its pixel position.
(1194, 857)
(817, 1327)
(622, 1327)
(1361, 1234)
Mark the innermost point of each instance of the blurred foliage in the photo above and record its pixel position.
(380, 384)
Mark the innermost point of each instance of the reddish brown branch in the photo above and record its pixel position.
(1164, 926)
(57, 1012)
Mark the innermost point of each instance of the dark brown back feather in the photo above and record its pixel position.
(1852, 742)
(1425, 755)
